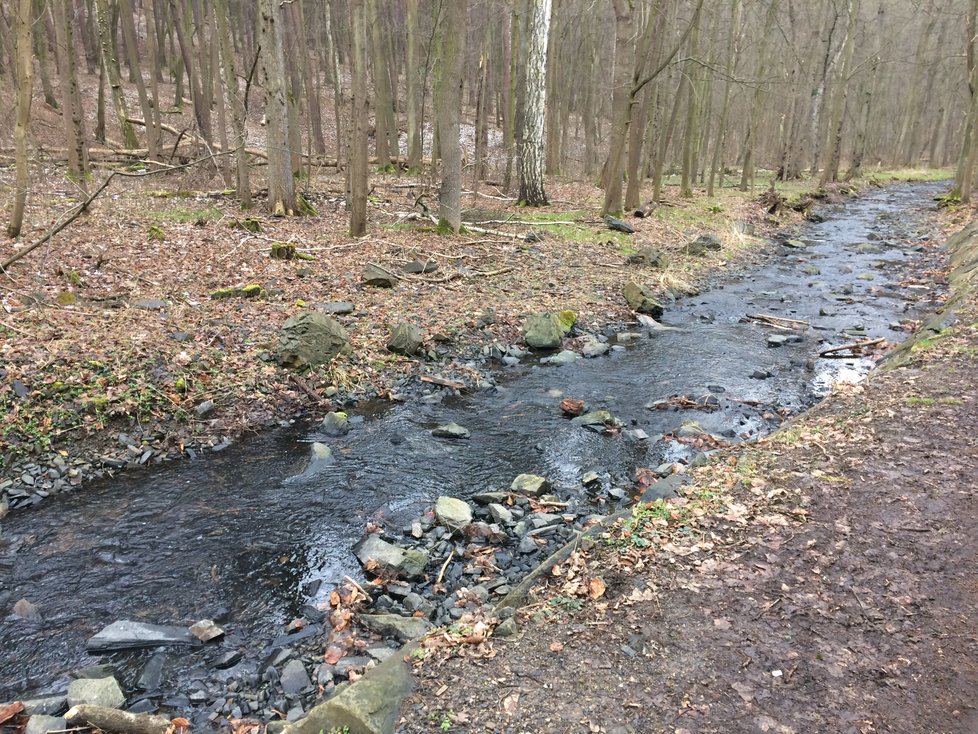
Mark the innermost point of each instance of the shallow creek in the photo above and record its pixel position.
(241, 538)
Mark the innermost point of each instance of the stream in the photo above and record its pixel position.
(243, 538)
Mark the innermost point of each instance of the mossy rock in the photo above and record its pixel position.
(282, 251)
(567, 319)
(248, 225)
(310, 339)
(242, 291)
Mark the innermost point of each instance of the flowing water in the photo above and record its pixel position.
(240, 537)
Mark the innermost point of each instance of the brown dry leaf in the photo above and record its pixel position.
(596, 588)
(721, 623)
(572, 407)
(333, 655)
(10, 710)
(556, 646)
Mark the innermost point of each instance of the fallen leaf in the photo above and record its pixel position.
(10, 710)
(556, 646)
(509, 703)
(596, 588)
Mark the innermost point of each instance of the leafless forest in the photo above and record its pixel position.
(620, 91)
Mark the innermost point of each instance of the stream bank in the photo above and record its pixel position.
(205, 560)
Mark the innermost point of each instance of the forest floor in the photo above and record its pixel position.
(115, 355)
(824, 579)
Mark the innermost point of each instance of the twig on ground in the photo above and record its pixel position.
(833, 352)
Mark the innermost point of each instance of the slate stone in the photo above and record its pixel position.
(703, 244)
(405, 339)
(47, 706)
(651, 257)
(150, 304)
(310, 339)
(378, 277)
(394, 625)
(152, 674)
(416, 267)
(20, 389)
(618, 225)
(336, 308)
(127, 635)
(96, 691)
(530, 484)
(294, 677)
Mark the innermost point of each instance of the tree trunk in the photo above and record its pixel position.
(281, 184)
(41, 49)
(70, 96)
(383, 111)
(357, 181)
(413, 79)
(110, 63)
(836, 120)
(448, 106)
(25, 90)
(235, 103)
(150, 115)
(531, 154)
(733, 54)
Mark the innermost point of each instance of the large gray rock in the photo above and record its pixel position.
(563, 357)
(96, 691)
(401, 562)
(405, 339)
(310, 339)
(453, 513)
(394, 625)
(369, 706)
(336, 423)
(379, 277)
(41, 724)
(543, 330)
(127, 635)
(451, 430)
(530, 484)
(640, 299)
(703, 244)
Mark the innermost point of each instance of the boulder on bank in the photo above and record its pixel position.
(378, 277)
(651, 257)
(543, 330)
(405, 339)
(530, 484)
(96, 691)
(375, 552)
(310, 339)
(640, 299)
(453, 513)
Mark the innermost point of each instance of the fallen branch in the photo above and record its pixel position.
(778, 322)
(71, 216)
(444, 382)
(115, 720)
(833, 352)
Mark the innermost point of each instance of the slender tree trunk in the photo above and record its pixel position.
(132, 53)
(383, 112)
(309, 82)
(111, 65)
(413, 79)
(448, 106)
(281, 184)
(235, 103)
(531, 154)
(836, 120)
(337, 77)
(41, 49)
(688, 175)
(357, 181)
(25, 90)
(733, 53)
(71, 97)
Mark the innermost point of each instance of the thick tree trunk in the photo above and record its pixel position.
(531, 154)
(448, 106)
(357, 181)
(281, 184)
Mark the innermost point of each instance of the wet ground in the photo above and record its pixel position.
(241, 538)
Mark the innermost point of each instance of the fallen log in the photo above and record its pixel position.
(114, 720)
(778, 322)
(646, 209)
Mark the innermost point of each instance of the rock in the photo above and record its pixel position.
(378, 277)
(310, 339)
(336, 423)
(543, 330)
(652, 325)
(336, 308)
(530, 484)
(527, 545)
(590, 478)
(152, 674)
(650, 256)
(126, 635)
(625, 337)
(760, 375)
(41, 724)
(453, 513)
(27, 610)
(777, 340)
(594, 348)
(320, 453)
(506, 628)
(596, 418)
(641, 300)
(415, 267)
(205, 630)
(95, 691)
(405, 339)
(618, 225)
(500, 513)
(205, 408)
(404, 563)
(690, 429)
(451, 430)
(20, 389)
(228, 659)
(563, 357)
(573, 407)
(394, 625)
(47, 706)
(703, 244)
(294, 678)
(150, 304)
(369, 706)
(796, 244)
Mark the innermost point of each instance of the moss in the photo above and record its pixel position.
(156, 234)
(282, 251)
(248, 224)
(304, 207)
(67, 298)
(244, 291)
(567, 319)
(444, 228)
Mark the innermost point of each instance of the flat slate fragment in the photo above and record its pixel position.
(129, 635)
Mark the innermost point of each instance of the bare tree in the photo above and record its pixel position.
(25, 91)
(357, 182)
(531, 153)
(281, 183)
(448, 104)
